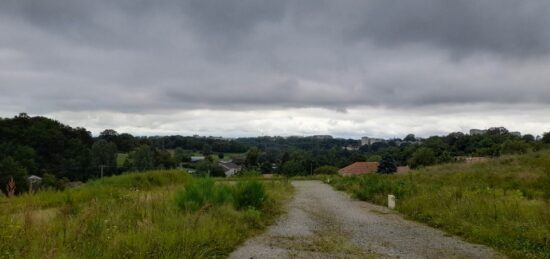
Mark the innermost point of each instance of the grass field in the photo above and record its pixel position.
(503, 203)
(137, 215)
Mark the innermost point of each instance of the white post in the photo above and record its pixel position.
(391, 201)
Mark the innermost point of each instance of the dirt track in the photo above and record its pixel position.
(323, 223)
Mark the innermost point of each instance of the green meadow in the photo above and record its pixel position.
(503, 203)
(156, 214)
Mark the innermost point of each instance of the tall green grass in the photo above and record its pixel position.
(202, 193)
(503, 203)
(131, 216)
(108, 187)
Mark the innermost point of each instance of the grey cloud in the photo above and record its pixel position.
(144, 56)
(505, 27)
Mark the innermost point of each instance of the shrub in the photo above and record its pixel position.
(249, 194)
(326, 170)
(201, 192)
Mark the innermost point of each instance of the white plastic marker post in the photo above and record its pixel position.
(391, 201)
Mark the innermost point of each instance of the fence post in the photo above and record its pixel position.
(391, 201)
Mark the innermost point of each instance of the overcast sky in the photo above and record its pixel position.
(380, 68)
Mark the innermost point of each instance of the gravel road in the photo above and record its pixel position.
(324, 223)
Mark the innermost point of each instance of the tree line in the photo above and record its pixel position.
(60, 153)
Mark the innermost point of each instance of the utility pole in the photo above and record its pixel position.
(101, 168)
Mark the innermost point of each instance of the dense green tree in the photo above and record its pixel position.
(422, 157)
(293, 168)
(125, 142)
(43, 145)
(208, 168)
(410, 138)
(528, 138)
(216, 171)
(266, 167)
(514, 147)
(546, 138)
(181, 156)
(104, 155)
(252, 157)
(164, 160)
(109, 135)
(143, 158)
(206, 150)
(387, 165)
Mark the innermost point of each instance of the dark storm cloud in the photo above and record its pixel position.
(506, 27)
(134, 56)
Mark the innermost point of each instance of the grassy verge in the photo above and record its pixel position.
(503, 203)
(133, 216)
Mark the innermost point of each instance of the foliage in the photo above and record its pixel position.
(546, 138)
(40, 144)
(204, 192)
(249, 194)
(181, 156)
(387, 165)
(249, 173)
(498, 203)
(327, 169)
(293, 168)
(119, 219)
(143, 158)
(201, 192)
(164, 160)
(216, 171)
(422, 157)
(104, 153)
(9, 168)
(374, 158)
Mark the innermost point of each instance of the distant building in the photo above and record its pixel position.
(350, 148)
(230, 168)
(359, 168)
(197, 158)
(474, 132)
(34, 182)
(370, 141)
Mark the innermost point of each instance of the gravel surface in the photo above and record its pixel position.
(323, 223)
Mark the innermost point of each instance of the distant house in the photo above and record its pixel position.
(359, 168)
(370, 141)
(34, 182)
(230, 168)
(197, 158)
(350, 148)
(34, 179)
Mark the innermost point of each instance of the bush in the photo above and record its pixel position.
(249, 194)
(326, 170)
(422, 157)
(201, 192)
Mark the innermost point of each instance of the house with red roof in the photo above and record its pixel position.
(359, 168)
